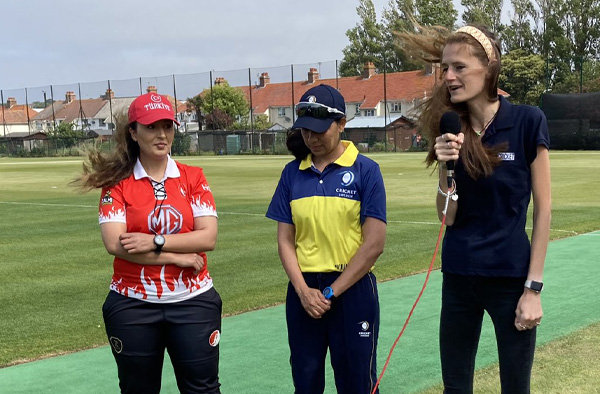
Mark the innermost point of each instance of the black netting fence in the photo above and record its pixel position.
(573, 120)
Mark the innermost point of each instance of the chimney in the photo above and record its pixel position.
(313, 75)
(11, 101)
(264, 79)
(151, 89)
(70, 97)
(220, 81)
(109, 95)
(368, 70)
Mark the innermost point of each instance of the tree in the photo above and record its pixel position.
(181, 143)
(436, 12)
(41, 104)
(522, 76)
(66, 134)
(230, 103)
(581, 22)
(486, 13)
(218, 120)
(366, 42)
(261, 122)
(195, 104)
(397, 18)
(400, 17)
(519, 34)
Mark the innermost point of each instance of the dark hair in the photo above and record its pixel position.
(295, 144)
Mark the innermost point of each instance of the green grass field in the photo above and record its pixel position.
(54, 270)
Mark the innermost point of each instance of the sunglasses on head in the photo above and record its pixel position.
(316, 110)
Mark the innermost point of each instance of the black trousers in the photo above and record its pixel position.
(464, 300)
(139, 332)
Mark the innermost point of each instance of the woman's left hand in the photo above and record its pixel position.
(529, 311)
(137, 242)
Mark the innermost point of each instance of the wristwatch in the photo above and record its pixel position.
(328, 293)
(159, 241)
(534, 286)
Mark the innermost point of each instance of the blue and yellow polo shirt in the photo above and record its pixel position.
(328, 208)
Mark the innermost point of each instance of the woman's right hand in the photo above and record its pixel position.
(314, 302)
(191, 260)
(447, 146)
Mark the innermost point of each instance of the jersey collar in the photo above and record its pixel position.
(170, 172)
(347, 158)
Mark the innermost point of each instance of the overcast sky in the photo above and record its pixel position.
(61, 42)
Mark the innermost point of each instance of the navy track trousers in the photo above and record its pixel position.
(350, 329)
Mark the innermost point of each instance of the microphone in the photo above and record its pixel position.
(450, 123)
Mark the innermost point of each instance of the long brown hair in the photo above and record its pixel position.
(105, 170)
(427, 45)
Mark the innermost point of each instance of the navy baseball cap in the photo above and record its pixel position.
(318, 108)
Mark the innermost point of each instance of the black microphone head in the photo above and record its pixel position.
(450, 123)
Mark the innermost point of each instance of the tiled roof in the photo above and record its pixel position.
(46, 113)
(401, 86)
(15, 116)
(86, 108)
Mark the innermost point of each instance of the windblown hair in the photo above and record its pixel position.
(104, 170)
(427, 45)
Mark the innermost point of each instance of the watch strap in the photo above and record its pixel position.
(534, 286)
(159, 246)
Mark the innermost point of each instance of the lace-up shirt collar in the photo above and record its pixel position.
(171, 171)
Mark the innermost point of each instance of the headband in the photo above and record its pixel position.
(484, 40)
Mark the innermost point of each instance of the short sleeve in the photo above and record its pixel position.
(373, 203)
(202, 200)
(538, 134)
(112, 205)
(280, 208)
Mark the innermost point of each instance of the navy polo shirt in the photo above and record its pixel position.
(329, 208)
(488, 236)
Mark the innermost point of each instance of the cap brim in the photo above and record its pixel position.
(313, 124)
(155, 117)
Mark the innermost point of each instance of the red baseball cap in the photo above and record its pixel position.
(149, 108)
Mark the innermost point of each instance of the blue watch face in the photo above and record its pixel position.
(328, 292)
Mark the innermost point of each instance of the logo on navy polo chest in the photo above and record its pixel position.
(506, 156)
(347, 186)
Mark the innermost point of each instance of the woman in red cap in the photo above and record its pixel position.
(157, 218)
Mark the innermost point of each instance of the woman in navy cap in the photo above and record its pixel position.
(501, 159)
(331, 214)
(157, 218)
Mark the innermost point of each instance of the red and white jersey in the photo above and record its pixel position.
(165, 207)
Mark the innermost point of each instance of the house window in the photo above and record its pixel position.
(281, 112)
(369, 112)
(357, 110)
(396, 107)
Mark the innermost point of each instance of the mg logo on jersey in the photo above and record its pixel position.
(165, 220)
